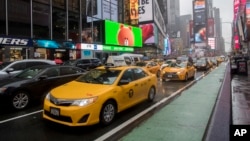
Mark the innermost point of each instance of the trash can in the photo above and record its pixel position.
(242, 67)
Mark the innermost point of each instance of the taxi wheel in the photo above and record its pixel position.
(20, 100)
(108, 113)
(151, 94)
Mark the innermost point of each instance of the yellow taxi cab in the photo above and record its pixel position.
(178, 71)
(99, 95)
(151, 66)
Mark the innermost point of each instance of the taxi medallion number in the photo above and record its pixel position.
(55, 111)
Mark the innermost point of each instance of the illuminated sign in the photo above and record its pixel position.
(118, 49)
(198, 4)
(122, 35)
(91, 46)
(15, 41)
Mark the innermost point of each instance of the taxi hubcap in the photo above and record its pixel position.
(108, 113)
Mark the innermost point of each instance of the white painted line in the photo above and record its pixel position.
(18, 117)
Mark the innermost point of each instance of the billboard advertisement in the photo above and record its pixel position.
(236, 8)
(200, 16)
(247, 21)
(167, 47)
(148, 33)
(211, 43)
(122, 35)
(145, 10)
(131, 12)
(236, 42)
(101, 9)
(210, 27)
(199, 4)
(200, 33)
(191, 30)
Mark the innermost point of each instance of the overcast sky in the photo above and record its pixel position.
(226, 14)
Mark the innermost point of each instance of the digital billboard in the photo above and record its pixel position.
(210, 27)
(200, 33)
(122, 34)
(200, 16)
(199, 4)
(148, 35)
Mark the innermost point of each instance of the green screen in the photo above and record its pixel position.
(118, 48)
(122, 35)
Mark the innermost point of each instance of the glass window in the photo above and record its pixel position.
(19, 17)
(69, 70)
(2, 17)
(19, 66)
(41, 20)
(139, 73)
(74, 20)
(128, 75)
(52, 72)
(59, 23)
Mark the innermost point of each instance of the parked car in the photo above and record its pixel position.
(99, 95)
(178, 71)
(34, 82)
(86, 64)
(9, 69)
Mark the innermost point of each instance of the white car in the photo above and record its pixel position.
(8, 69)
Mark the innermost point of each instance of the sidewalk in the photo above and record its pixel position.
(187, 117)
(241, 100)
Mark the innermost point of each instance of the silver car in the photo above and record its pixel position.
(8, 69)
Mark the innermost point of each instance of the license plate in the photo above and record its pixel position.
(169, 75)
(55, 111)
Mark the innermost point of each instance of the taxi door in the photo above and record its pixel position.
(127, 90)
(191, 70)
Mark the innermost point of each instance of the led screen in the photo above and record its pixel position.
(122, 35)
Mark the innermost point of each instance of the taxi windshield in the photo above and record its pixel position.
(100, 76)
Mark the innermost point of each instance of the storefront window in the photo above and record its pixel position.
(19, 17)
(41, 20)
(17, 53)
(74, 20)
(2, 17)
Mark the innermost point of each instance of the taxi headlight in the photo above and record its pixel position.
(47, 96)
(84, 102)
(180, 72)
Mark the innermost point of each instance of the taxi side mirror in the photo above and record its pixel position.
(123, 82)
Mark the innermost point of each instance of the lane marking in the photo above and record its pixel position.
(18, 117)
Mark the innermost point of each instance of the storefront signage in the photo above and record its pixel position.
(53, 44)
(15, 41)
(91, 46)
(118, 49)
(122, 35)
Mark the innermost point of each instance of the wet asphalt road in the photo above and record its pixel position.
(29, 125)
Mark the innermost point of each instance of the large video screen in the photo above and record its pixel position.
(122, 34)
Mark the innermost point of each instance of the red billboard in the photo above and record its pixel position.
(210, 27)
(236, 42)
